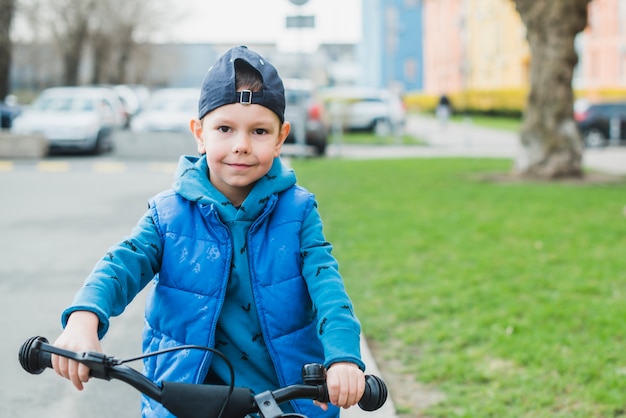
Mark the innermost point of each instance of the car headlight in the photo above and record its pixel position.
(137, 124)
(91, 129)
(21, 127)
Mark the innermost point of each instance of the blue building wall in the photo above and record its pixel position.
(391, 51)
(370, 50)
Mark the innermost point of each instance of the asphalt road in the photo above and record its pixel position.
(55, 225)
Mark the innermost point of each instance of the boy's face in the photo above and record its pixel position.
(240, 142)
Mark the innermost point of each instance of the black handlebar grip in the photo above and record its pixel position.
(375, 394)
(32, 359)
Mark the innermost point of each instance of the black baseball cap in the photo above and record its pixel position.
(218, 87)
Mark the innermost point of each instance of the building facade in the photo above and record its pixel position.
(391, 50)
(471, 49)
(602, 51)
(496, 43)
(444, 37)
(477, 51)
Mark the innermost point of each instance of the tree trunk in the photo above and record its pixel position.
(551, 144)
(72, 47)
(125, 47)
(101, 48)
(7, 8)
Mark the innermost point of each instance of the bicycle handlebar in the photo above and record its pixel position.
(187, 400)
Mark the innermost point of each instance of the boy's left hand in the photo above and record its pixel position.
(346, 384)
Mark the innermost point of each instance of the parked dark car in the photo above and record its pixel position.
(306, 115)
(602, 123)
(8, 112)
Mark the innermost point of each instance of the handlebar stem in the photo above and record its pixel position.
(268, 407)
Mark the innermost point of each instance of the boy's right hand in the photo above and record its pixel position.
(80, 334)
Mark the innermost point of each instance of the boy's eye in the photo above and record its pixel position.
(224, 129)
(260, 131)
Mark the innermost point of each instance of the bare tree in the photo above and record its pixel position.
(110, 29)
(551, 144)
(71, 35)
(7, 8)
(70, 26)
(117, 27)
(66, 22)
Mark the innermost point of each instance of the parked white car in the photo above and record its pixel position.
(362, 109)
(168, 109)
(73, 118)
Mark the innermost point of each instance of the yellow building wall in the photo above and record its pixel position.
(497, 47)
(476, 50)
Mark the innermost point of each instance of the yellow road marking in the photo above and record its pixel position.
(109, 167)
(6, 165)
(164, 167)
(53, 166)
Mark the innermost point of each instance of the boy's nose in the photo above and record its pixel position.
(241, 144)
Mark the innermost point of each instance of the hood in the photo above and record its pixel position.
(192, 183)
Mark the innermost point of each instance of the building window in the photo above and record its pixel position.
(410, 69)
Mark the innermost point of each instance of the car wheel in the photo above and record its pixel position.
(104, 143)
(320, 149)
(382, 127)
(594, 139)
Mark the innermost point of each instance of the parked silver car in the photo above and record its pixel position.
(73, 118)
(167, 110)
(363, 109)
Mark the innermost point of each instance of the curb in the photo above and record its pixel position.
(22, 146)
(388, 410)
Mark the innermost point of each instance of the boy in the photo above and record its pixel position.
(238, 258)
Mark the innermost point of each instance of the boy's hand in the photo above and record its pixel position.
(80, 334)
(346, 384)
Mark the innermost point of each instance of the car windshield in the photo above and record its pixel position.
(372, 100)
(64, 104)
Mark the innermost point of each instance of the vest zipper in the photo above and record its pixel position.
(208, 357)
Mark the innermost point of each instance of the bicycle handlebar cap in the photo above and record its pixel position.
(375, 394)
(33, 360)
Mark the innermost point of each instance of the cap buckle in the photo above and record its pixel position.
(245, 96)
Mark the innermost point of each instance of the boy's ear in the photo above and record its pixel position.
(195, 125)
(282, 136)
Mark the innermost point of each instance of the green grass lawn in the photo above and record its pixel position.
(510, 298)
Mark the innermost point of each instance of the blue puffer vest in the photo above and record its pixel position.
(185, 302)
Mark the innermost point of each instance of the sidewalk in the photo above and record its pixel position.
(388, 410)
(463, 139)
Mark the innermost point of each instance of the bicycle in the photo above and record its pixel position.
(187, 400)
